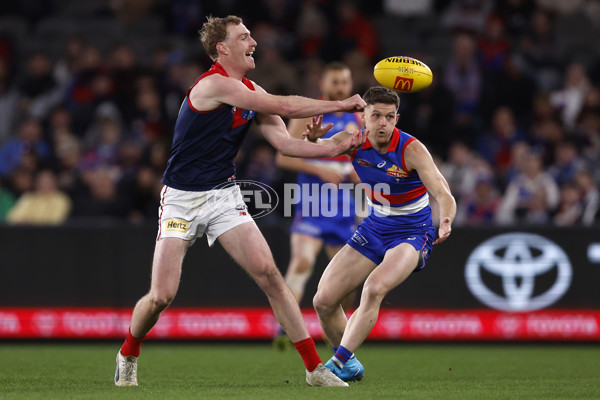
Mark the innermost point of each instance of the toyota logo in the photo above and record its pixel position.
(516, 262)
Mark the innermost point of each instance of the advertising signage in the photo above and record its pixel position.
(482, 284)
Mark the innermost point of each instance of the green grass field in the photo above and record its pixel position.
(256, 371)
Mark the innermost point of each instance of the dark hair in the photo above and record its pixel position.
(213, 31)
(380, 94)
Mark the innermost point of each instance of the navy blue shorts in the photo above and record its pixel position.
(376, 235)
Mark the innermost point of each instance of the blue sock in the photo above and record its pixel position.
(335, 350)
(341, 356)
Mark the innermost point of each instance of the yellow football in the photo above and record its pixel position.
(403, 74)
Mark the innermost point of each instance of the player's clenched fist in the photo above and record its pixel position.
(353, 104)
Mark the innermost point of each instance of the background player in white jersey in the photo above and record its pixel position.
(210, 127)
(393, 241)
(310, 233)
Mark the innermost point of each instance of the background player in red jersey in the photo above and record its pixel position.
(212, 122)
(310, 233)
(393, 241)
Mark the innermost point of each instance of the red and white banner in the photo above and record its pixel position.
(259, 323)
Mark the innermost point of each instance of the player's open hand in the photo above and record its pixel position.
(353, 104)
(444, 231)
(314, 130)
(354, 141)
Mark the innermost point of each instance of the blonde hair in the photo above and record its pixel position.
(213, 31)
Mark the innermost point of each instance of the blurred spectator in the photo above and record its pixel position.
(45, 205)
(9, 100)
(361, 69)
(569, 100)
(500, 88)
(272, 72)
(91, 86)
(30, 141)
(566, 162)
(588, 133)
(20, 181)
(519, 152)
(98, 196)
(466, 15)
(531, 197)
(312, 29)
(515, 14)
(157, 156)
(496, 146)
(143, 191)
(38, 89)
(7, 201)
(493, 46)
(149, 121)
(59, 131)
(545, 136)
(106, 113)
(124, 71)
(590, 196)
(569, 209)
(462, 169)
(68, 158)
(463, 77)
(538, 53)
(67, 66)
(356, 31)
(478, 208)
(105, 153)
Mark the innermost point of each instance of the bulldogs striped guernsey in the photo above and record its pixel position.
(205, 143)
(391, 189)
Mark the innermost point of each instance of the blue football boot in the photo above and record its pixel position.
(352, 371)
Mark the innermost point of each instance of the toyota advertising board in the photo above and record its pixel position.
(482, 284)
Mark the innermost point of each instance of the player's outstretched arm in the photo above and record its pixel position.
(417, 157)
(274, 131)
(295, 128)
(215, 90)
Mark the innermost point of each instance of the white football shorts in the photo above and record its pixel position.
(189, 215)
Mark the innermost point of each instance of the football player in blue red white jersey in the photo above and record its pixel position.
(200, 195)
(311, 231)
(396, 238)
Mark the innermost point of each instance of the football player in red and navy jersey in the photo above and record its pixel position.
(200, 195)
(394, 240)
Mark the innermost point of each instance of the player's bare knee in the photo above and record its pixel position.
(374, 292)
(268, 277)
(323, 304)
(160, 301)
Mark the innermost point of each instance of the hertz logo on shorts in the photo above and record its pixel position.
(174, 225)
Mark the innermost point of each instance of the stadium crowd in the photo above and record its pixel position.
(89, 93)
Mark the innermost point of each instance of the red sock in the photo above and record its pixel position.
(308, 352)
(132, 345)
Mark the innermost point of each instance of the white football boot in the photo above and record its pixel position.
(321, 376)
(126, 374)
